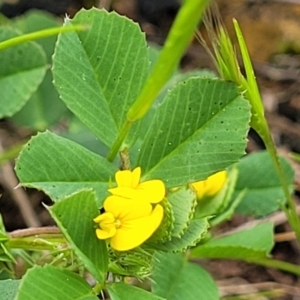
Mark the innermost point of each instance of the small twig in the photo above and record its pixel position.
(37, 239)
(241, 289)
(34, 231)
(285, 236)
(288, 1)
(104, 4)
(19, 196)
(277, 218)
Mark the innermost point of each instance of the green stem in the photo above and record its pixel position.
(176, 43)
(37, 239)
(276, 264)
(295, 156)
(290, 208)
(40, 243)
(255, 98)
(98, 288)
(263, 261)
(116, 146)
(272, 293)
(260, 125)
(38, 35)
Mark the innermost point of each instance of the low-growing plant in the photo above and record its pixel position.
(170, 162)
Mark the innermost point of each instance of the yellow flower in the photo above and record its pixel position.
(210, 186)
(128, 223)
(131, 214)
(129, 187)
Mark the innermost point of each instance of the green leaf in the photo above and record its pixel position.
(183, 203)
(255, 242)
(229, 210)
(3, 19)
(60, 167)
(180, 77)
(100, 72)
(258, 176)
(5, 254)
(2, 230)
(44, 107)
(8, 289)
(122, 291)
(139, 129)
(49, 283)
(74, 215)
(80, 134)
(200, 128)
(192, 235)
(22, 70)
(175, 279)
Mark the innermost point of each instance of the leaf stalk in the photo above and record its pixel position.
(178, 39)
(38, 35)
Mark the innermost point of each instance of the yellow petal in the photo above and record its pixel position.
(136, 175)
(107, 224)
(122, 191)
(128, 178)
(124, 178)
(152, 191)
(133, 233)
(105, 216)
(215, 182)
(105, 234)
(127, 209)
(199, 187)
(210, 186)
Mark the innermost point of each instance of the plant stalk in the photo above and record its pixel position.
(289, 209)
(38, 35)
(276, 264)
(178, 39)
(118, 143)
(37, 239)
(260, 125)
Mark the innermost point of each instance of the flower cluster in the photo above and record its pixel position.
(211, 186)
(132, 213)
